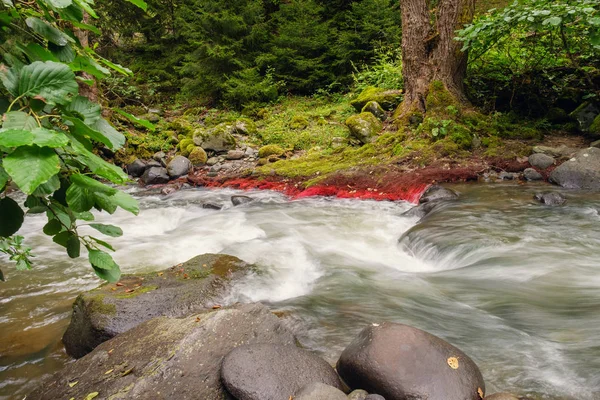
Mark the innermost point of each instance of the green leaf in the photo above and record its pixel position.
(63, 238)
(126, 202)
(86, 5)
(73, 246)
(52, 228)
(59, 3)
(97, 165)
(47, 138)
(53, 82)
(111, 276)
(554, 21)
(140, 3)
(64, 53)
(35, 52)
(108, 230)
(102, 260)
(115, 67)
(116, 138)
(10, 79)
(92, 185)
(102, 243)
(62, 214)
(49, 187)
(30, 166)
(86, 27)
(139, 121)
(15, 138)
(85, 216)
(106, 203)
(89, 65)
(48, 32)
(4, 178)
(18, 120)
(35, 205)
(11, 217)
(79, 198)
(82, 108)
(78, 127)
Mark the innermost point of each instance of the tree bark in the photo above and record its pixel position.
(429, 51)
(89, 91)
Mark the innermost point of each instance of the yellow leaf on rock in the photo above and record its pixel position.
(91, 396)
(109, 371)
(480, 393)
(71, 384)
(453, 362)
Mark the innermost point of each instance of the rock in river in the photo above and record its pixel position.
(531, 174)
(155, 176)
(580, 172)
(102, 313)
(400, 362)
(273, 372)
(437, 193)
(550, 199)
(166, 358)
(136, 168)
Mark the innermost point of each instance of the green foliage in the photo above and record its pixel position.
(48, 132)
(384, 72)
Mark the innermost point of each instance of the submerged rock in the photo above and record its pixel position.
(364, 127)
(166, 358)
(155, 176)
(273, 372)
(437, 193)
(194, 286)
(550, 199)
(239, 200)
(320, 391)
(541, 161)
(580, 172)
(401, 362)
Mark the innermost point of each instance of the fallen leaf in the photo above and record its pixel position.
(216, 306)
(71, 384)
(91, 396)
(109, 371)
(480, 393)
(129, 290)
(453, 362)
(110, 351)
(198, 319)
(161, 273)
(119, 284)
(127, 372)
(113, 289)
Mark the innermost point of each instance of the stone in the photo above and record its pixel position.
(235, 154)
(398, 362)
(364, 127)
(218, 139)
(159, 156)
(250, 152)
(320, 391)
(167, 358)
(212, 161)
(508, 176)
(501, 396)
(211, 206)
(595, 144)
(136, 168)
(194, 286)
(541, 161)
(198, 156)
(239, 200)
(580, 172)
(422, 210)
(437, 193)
(273, 371)
(155, 176)
(358, 394)
(387, 99)
(374, 108)
(270, 150)
(531, 174)
(585, 115)
(244, 126)
(154, 163)
(374, 397)
(550, 199)
(562, 151)
(179, 166)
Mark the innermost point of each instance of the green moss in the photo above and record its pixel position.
(270, 150)
(96, 305)
(299, 122)
(184, 146)
(136, 292)
(374, 108)
(245, 126)
(439, 99)
(387, 99)
(198, 156)
(364, 126)
(595, 127)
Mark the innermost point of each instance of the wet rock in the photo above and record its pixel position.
(387, 99)
(218, 139)
(211, 206)
(136, 168)
(507, 176)
(437, 193)
(179, 166)
(580, 172)
(374, 397)
(422, 210)
(595, 144)
(320, 391)
(196, 285)
(399, 362)
(585, 115)
(273, 372)
(374, 108)
(358, 394)
(550, 199)
(235, 154)
(239, 200)
(154, 163)
(364, 127)
(531, 174)
(541, 161)
(501, 396)
(167, 358)
(155, 176)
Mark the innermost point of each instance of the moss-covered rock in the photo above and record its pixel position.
(374, 108)
(557, 115)
(387, 99)
(183, 146)
(244, 126)
(194, 286)
(180, 125)
(299, 122)
(198, 156)
(218, 139)
(365, 127)
(595, 127)
(586, 114)
(270, 150)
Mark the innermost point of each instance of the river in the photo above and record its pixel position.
(514, 284)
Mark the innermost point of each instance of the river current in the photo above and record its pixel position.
(514, 284)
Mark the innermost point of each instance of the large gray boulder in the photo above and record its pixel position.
(217, 139)
(400, 362)
(437, 193)
(196, 285)
(580, 172)
(166, 358)
(155, 176)
(273, 372)
(541, 161)
(179, 166)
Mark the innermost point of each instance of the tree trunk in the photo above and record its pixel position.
(430, 53)
(89, 91)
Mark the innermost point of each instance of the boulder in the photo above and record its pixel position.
(136, 168)
(198, 156)
(364, 126)
(155, 176)
(507, 176)
(541, 161)
(166, 358)
(595, 127)
(437, 193)
(235, 154)
(562, 151)
(595, 144)
(580, 172)
(194, 286)
(239, 200)
(320, 391)
(374, 108)
(422, 210)
(531, 174)
(585, 115)
(179, 166)
(501, 396)
(160, 156)
(218, 139)
(154, 163)
(401, 362)
(550, 199)
(273, 371)
(358, 394)
(387, 99)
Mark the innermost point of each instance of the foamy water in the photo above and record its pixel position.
(514, 284)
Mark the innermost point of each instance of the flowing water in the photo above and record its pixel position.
(514, 284)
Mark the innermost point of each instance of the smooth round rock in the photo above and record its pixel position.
(235, 154)
(501, 396)
(358, 394)
(541, 161)
(319, 391)
(273, 372)
(437, 193)
(401, 362)
(550, 199)
(531, 174)
(179, 166)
